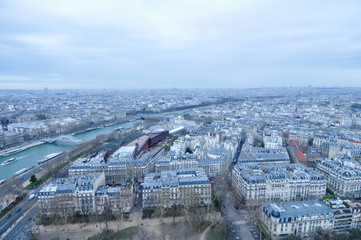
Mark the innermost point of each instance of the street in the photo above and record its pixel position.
(11, 218)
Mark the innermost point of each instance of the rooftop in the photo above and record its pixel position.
(288, 210)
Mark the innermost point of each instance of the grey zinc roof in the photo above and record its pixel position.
(253, 173)
(179, 177)
(289, 210)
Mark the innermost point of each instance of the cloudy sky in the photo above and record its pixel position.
(185, 44)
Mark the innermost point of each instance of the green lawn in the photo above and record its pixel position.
(215, 233)
(44, 178)
(126, 233)
(111, 235)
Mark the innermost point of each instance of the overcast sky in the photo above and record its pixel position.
(185, 44)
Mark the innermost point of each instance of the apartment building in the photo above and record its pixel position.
(212, 161)
(259, 155)
(296, 218)
(115, 199)
(185, 187)
(277, 182)
(67, 196)
(119, 167)
(343, 177)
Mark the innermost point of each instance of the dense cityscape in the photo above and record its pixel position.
(259, 163)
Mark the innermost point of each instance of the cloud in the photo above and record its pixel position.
(128, 44)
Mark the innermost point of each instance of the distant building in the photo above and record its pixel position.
(182, 187)
(296, 152)
(282, 182)
(296, 218)
(315, 155)
(259, 155)
(214, 161)
(273, 141)
(119, 167)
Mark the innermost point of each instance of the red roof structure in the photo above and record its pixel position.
(300, 156)
(293, 143)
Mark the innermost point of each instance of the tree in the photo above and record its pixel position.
(224, 229)
(254, 211)
(5, 122)
(40, 116)
(188, 150)
(33, 179)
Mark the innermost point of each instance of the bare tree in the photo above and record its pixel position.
(253, 208)
(7, 191)
(66, 209)
(224, 228)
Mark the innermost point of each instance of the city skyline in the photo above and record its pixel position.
(155, 45)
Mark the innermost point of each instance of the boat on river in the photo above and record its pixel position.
(49, 157)
(10, 160)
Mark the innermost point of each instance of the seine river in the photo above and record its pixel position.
(31, 156)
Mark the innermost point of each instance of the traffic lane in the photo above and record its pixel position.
(15, 215)
(243, 227)
(22, 227)
(16, 232)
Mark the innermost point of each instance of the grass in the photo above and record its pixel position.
(215, 233)
(45, 177)
(204, 225)
(126, 233)
(37, 183)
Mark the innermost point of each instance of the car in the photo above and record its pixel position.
(237, 206)
(18, 210)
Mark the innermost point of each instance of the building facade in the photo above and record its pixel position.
(282, 182)
(185, 187)
(67, 196)
(296, 218)
(212, 161)
(343, 177)
(120, 167)
(115, 199)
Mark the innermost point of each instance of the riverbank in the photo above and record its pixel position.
(30, 157)
(23, 147)
(124, 120)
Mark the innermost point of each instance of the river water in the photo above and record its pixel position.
(31, 156)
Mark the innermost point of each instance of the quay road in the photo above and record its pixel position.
(23, 230)
(7, 221)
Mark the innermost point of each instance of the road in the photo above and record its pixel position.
(236, 219)
(11, 219)
(22, 230)
(239, 219)
(239, 149)
(137, 208)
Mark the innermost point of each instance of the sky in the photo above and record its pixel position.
(116, 44)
